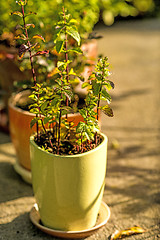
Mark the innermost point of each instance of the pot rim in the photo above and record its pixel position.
(105, 140)
(12, 100)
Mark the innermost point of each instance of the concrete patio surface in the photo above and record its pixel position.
(132, 188)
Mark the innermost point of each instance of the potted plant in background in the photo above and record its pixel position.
(68, 162)
(68, 159)
(19, 116)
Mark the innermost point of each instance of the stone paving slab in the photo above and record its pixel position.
(133, 174)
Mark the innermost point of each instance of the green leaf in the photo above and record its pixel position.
(34, 110)
(109, 85)
(80, 127)
(72, 72)
(33, 121)
(74, 34)
(106, 95)
(60, 64)
(59, 46)
(107, 110)
(83, 113)
(44, 106)
(73, 21)
(96, 87)
(85, 84)
(46, 120)
(17, 13)
(76, 50)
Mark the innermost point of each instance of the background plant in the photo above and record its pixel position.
(86, 12)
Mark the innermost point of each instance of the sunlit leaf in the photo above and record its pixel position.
(85, 84)
(59, 64)
(107, 110)
(127, 232)
(39, 36)
(76, 50)
(74, 34)
(106, 95)
(22, 2)
(71, 72)
(96, 87)
(80, 127)
(73, 21)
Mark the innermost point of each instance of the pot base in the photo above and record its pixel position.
(103, 217)
(24, 173)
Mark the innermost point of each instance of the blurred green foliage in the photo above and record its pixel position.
(125, 8)
(87, 13)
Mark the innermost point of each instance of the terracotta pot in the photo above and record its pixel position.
(68, 189)
(20, 131)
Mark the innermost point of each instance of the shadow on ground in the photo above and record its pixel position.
(11, 184)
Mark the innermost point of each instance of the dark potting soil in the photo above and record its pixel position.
(67, 146)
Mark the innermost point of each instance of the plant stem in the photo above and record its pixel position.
(47, 134)
(81, 143)
(31, 60)
(66, 57)
(29, 45)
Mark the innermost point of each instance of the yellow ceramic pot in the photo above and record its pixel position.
(68, 189)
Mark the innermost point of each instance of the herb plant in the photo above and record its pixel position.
(52, 103)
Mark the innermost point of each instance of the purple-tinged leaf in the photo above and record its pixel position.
(21, 36)
(30, 25)
(22, 49)
(18, 26)
(39, 36)
(17, 13)
(30, 13)
(112, 84)
(40, 53)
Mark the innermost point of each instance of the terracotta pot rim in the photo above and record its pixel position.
(105, 139)
(15, 97)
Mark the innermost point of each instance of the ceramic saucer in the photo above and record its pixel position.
(24, 173)
(103, 217)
